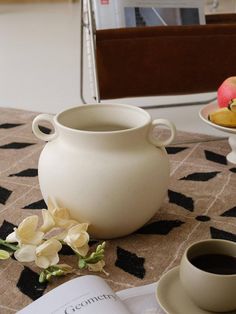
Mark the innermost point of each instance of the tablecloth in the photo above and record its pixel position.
(200, 204)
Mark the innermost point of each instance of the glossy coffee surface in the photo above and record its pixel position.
(216, 263)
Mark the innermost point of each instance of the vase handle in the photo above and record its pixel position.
(154, 139)
(38, 133)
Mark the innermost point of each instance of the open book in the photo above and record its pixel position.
(92, 295)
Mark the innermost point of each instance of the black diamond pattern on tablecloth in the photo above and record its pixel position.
(36, 205)
(218, 158)
(9, 125)
(200, 204)
(28, 283)
(230, 212)
(181, 200)
(4, 195)
(30, 172)
(16, 145)
(160, 227)
(130, 263)
(172, 150)
(200, 176)
(6, 228)
(222, 234)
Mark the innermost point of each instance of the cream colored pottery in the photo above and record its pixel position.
(106, 165)
(209, 291)
(172, 297)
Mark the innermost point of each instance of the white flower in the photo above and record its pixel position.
(26, 253)
(56, 217)
(47, 253)
(44, 255)
(26, 233)
(48, 221)
(77, 238)
(97, 266)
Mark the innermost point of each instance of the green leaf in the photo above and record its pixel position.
(4, 254)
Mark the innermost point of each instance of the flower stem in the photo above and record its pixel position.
(10, 246)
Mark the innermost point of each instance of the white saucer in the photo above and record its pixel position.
(172, 297)
(204, 113)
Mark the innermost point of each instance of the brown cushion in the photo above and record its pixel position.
(224, 18)
(164, 60)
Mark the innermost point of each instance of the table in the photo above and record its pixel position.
(200, 204)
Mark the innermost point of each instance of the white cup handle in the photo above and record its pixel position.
(154, 139)
(38, 133)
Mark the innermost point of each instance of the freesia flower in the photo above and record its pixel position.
(48, 221)
(44, 255)
(77, 238)
(47, 253)
(26, 233)
(26, 253)
(56, 217)
(30, 243)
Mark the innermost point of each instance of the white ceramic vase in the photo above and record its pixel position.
(106, 165)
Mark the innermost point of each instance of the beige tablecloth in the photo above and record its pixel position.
(200, 204)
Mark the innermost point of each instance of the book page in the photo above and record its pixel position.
(141, 300)
(82, 295)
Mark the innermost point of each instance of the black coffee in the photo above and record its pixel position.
(216, 263)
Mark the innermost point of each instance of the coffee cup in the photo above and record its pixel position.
(208, 274)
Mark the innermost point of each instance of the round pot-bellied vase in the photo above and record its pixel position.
(106, 164)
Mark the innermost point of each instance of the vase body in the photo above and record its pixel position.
(111, 176)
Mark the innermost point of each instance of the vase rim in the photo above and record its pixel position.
(141, 118)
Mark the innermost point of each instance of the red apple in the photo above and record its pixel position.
(226, 91)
